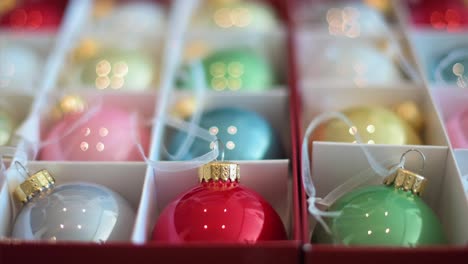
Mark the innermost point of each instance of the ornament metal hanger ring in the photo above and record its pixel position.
(402, 159)
(219, 144)
(22, 169)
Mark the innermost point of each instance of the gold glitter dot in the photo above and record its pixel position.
(214, 130)
(87, 131)
(219, 83)
(84, 146)
(241, 17)
(458, 69)
(222, 18)
(117, 82)
(230, 145)
(103, 68)
(370, 129)
(218, 69)
(103, 132)
(102, 82)
(120, 69)
(235, 69)
(232, 130)
(100, 146)
(352, 130)
(234, 83)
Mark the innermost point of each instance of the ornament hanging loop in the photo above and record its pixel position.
(403, 158)
(22, 169)
(220, 146)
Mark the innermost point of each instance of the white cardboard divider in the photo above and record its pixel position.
(269, 178)
(322, 99)
(461, 157)
(126, 179)
(444, 193)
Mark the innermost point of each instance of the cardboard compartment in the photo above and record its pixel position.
(461, 157)
(142, 105)
(125, 179)
(323, 99)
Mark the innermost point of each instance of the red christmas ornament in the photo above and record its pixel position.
(450, 15)
(33, 15)
(219, 210)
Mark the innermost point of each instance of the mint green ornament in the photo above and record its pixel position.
(239, 69)
(119, 69)
(383, 216)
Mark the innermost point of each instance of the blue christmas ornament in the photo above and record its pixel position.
(245, 135)
(453, 68)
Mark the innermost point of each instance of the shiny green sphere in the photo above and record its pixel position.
(381, 216)
(233, 70)
(119, 69)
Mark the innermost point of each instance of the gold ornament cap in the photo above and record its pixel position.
(36, 184)
(407, 180)
(69, 104)
(219, 170)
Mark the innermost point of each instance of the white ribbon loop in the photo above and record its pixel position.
(353, 182)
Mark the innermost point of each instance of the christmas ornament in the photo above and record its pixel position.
(232, 70)
(247, 135)
(361, 63)
(19, 68)
(108, 135)
(376, 125)
(7, 127)
(71, 212)
(118, 69)
(410, 112)
(220, 210)
(69, 104)
(32, 14)
(254, 16)
(457, 127)
(452, 69)
(130, 18)
(451, 15)
(350, 19)
(383, 216)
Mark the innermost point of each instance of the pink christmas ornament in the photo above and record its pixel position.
(457, 129)
(103, 136)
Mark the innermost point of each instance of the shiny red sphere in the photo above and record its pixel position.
(219, 212)
(32, 15)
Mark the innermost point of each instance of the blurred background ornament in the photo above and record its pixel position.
(20, 68)
(375, 124)
(128, 19)
(449, 15)
(246, 135)
(359, 62)
(232, 69)
(240, 15)
(457, 128)
(27, 15)
(118, 69)
(219, 209)
(76, 211)
(452, 69)
(109, 134)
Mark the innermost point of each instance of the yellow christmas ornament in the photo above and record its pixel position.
(375, 124)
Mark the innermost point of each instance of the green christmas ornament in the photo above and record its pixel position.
(387, 215)
(232, 70)
(118, 69)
